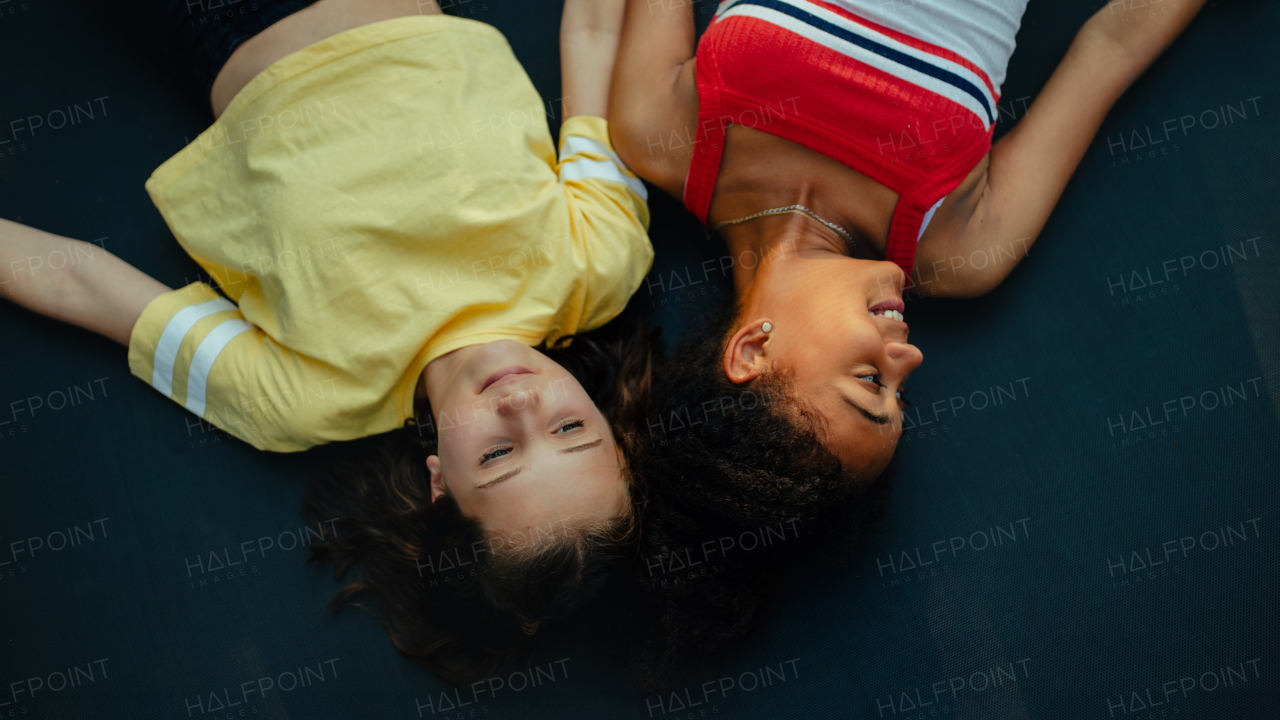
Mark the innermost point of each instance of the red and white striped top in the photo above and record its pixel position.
(910, 115)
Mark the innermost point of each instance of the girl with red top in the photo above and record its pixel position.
(847, 144)
(842, 150)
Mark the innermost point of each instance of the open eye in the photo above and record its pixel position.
(570, 425)
(902, 395)
(873, 379)
(494, 453)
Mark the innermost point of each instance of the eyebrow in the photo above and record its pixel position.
(877, 419)
(501, 478)
(580, 448)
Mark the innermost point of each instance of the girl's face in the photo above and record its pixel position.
(834, 332)
(522, 447)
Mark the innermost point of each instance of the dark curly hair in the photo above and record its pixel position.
(463, 603)
(735, 486)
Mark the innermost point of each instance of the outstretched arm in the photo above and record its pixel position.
(654, 92)
(1029, 167)
(589, 34)
(73, 281)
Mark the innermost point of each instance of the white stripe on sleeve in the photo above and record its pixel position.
(575, 144)
(171, 340)
(202, 362)
(586, 168)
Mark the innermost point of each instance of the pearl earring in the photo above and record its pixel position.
(767, 327)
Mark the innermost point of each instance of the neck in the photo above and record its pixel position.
(760, 246)
(760, 171)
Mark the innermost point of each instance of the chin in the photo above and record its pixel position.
(498, 351)
(863, 469)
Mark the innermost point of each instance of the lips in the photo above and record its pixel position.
(889, 304)
(506, 374)
(890, 309)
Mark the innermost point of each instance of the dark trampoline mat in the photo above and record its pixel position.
(1082, 521)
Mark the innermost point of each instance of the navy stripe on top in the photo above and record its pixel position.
(883, 51)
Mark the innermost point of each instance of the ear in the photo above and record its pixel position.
(438, 490)
(746, 355)
(623, 465)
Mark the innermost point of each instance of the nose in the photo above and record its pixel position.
(892, 276)
(905, 358)
(518, 402)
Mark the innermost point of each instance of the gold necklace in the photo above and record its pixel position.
(792, 210)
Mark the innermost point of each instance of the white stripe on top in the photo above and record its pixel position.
(202, 361)
(980, 31)
(579, 168)
(171, 340)
(929, 216)
(848, 49)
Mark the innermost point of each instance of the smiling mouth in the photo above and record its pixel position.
(891, 314)
(891, 308)
(505, 375)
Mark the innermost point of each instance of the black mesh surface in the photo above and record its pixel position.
(1083, 523)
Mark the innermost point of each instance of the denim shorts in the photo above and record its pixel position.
(199, 35)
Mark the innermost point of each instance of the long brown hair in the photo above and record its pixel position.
(461, 602)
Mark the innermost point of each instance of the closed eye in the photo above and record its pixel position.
(877, 419)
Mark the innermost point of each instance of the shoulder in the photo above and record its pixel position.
(657, 138)
(961, 246)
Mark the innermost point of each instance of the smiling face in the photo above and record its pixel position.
(522, 447)
(837, 334)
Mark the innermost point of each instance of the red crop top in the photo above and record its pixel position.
(910, 115)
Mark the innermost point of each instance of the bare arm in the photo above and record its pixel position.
(654, 93)
(589, 34)
(73, 281)
(1030, 166)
